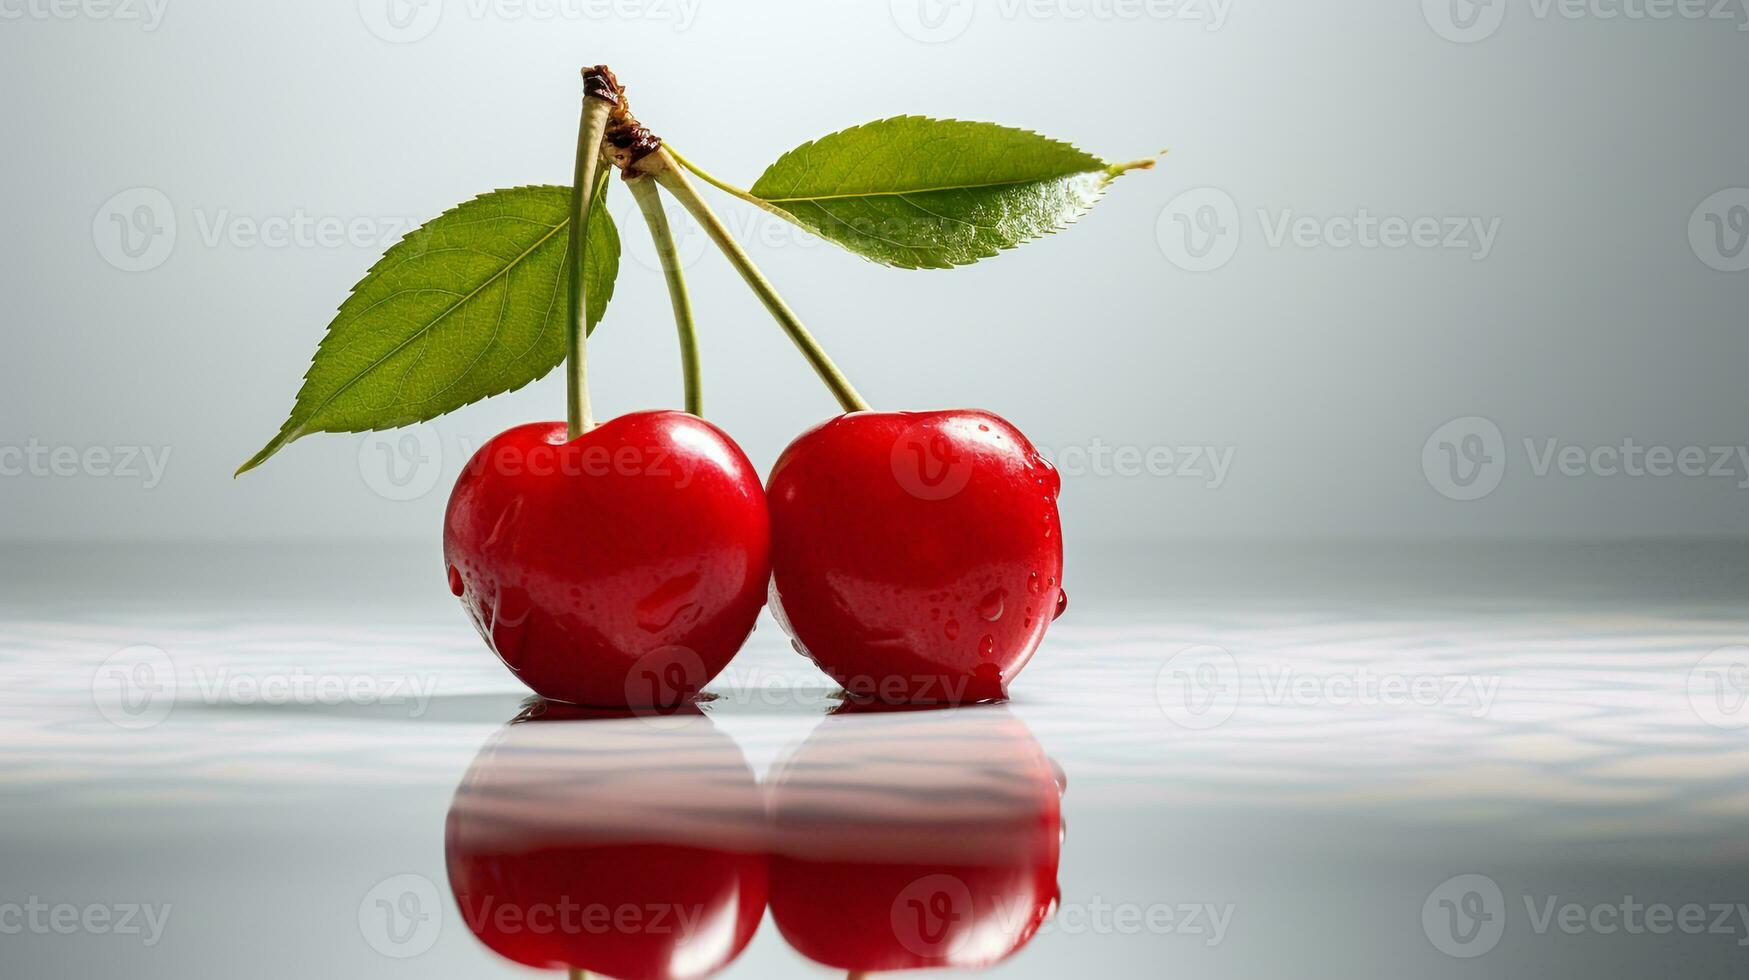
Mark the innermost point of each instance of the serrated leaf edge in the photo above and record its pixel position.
(1112, 172)
(288, 433)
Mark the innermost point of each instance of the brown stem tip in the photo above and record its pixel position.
(599, 83)
(627, 141)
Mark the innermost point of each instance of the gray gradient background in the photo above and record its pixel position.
(1592, 140)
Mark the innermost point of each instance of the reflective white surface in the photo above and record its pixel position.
(1279, 761)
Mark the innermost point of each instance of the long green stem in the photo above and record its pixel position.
(717, 182)
(590, 130)
(649, 200)
(673, 179)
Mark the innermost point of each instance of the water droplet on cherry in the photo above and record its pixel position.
(987, 647)
(455, 581)
(992, 605)
(1032, 583)
(1062, 604)
(1049, 478)
(953, 629)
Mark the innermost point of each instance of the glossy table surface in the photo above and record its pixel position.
(1273, 761)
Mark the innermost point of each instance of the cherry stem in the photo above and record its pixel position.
(649, 200)
(719, 183)
(662, 166)
(590, 130)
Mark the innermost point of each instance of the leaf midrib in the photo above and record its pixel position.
(927, 190)
(427, 328)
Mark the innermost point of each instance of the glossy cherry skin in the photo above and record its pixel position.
(625, 567)
(926, 841)
(615, 846)
(916, 556)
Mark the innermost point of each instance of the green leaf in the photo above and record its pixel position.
(472, 304)
(924, 193)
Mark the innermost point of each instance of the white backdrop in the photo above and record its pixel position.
(190, 187)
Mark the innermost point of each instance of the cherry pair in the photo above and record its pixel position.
(915, 557)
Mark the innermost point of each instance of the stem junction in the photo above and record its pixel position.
(641, 155)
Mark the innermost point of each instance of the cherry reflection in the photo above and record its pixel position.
(641, 847)
(625, 846)
(913, 839)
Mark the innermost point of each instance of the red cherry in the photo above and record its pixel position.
(911, 552)
(568, 848)
(925, 841)
(623, 567)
